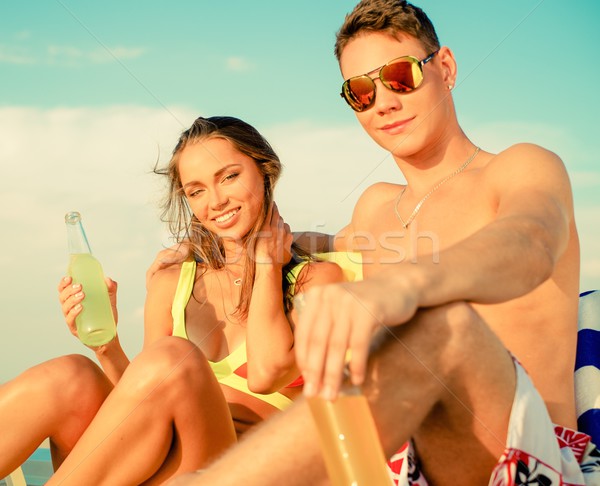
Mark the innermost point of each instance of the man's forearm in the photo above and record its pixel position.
(505, 260)
(314, 242)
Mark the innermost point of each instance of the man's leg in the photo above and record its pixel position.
(56, 399)
(444, 379)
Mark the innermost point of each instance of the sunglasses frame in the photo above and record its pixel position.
(347, 93)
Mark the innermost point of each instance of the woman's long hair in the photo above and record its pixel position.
(184, 226)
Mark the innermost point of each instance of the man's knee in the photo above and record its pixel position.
(469, 354)
(435, 343)
(454, 330)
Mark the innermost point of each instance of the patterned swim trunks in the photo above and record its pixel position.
(537, 452)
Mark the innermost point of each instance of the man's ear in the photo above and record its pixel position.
(448, 66)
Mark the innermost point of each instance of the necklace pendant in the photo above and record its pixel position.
(237, 281)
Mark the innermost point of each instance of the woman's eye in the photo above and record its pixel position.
(231, 176)
(195, 192)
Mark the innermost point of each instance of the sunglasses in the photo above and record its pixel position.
(401, 75)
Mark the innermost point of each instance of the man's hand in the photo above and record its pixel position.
(169, 256)
(336, 325)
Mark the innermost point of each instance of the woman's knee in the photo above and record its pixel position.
(169, 364)
(65, 385)
(65, 373)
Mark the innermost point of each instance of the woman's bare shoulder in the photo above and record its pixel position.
(319, 273)
(165, 279)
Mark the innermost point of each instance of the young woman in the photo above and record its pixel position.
(218, 351)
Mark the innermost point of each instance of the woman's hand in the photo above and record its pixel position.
(71, 295)
(274, 240)
(169, 256)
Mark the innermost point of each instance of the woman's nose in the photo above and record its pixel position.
(218, 199)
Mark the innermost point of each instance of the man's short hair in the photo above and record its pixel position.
(394, 17)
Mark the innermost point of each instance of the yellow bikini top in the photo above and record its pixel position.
(224, 369)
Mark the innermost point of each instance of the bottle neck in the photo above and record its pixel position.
(76, 239)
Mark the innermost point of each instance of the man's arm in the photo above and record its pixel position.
(505, 259)
(173, 255)
(314, 242)
(518, 250)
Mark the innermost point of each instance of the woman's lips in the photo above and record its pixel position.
(226, 219)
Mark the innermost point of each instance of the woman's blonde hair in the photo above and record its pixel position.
(184, 226)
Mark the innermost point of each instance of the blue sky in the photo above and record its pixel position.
(93, 93)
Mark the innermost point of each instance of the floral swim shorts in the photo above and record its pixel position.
(537, 451)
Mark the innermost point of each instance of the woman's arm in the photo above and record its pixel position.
(158, 321)
(270, 336)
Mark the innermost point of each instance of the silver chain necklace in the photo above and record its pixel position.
(433, 189)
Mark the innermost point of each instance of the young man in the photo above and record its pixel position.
(475, 259)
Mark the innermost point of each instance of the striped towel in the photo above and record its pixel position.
(587, 365)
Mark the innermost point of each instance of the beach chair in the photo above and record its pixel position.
(35, 471)
(587, 365)
(16, 478)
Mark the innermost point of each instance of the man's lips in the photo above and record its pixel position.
(397, 126)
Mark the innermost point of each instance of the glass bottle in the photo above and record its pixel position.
(348, 437)
(349, 441)
(95, 323)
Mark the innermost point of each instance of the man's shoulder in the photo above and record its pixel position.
(379, 192)
(525, 153)
(373, 198)
(526, 168)
(524, 162)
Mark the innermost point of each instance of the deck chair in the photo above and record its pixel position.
(16, 478)
(587, 365)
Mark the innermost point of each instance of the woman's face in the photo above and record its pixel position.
(223, 187)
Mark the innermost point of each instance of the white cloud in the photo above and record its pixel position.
(121, 53)
(326, 169)
(98, 161)
(238, 64)
(69, 55)
(15, 55)
(585, 179)
(22, 35)
(497, 136)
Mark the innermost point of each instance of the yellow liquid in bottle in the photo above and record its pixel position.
(351, 448)
(95, 323)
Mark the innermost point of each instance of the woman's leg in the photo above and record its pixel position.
(56, 399)
(166, 415)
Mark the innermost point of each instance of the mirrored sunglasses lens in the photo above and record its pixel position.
(359, 92)
(402, 75)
